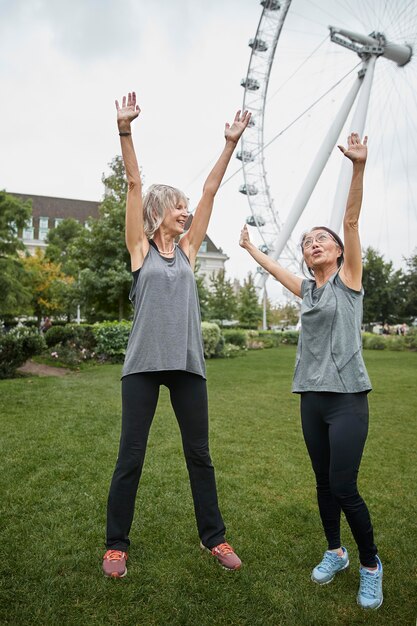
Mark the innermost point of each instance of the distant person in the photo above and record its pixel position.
(165, 345)
(331, 378)
(46, 325)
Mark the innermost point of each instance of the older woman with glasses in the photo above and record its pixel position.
(331, 378)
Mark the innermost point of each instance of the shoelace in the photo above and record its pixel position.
(224, 548)
(329, 560)
(114, 555)
(369, 583)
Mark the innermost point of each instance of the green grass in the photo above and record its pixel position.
(59, 444)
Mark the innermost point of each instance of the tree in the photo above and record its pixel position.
(101, 255)
(48, 285)
(283, 315)
(15, 296)
(409, 309)
(203, 294)
(222, 300)
(249, 309)
(384, 289)
(60, 243)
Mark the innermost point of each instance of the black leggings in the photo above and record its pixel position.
(335, 426)
(188, 394)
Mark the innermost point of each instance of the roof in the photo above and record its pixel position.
(81, 210)
(47, 206)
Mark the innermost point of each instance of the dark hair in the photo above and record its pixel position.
(337, 239)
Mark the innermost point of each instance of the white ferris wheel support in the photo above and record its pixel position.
(369, 48)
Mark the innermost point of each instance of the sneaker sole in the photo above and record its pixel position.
(326, 582)
(227, 569)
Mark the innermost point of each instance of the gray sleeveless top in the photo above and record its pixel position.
(329, 352)
(166, 330)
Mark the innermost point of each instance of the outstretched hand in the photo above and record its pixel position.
(244, 237)
(128, 111)
(356, 151)
(234, 132)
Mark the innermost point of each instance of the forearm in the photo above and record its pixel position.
(286, 278)
(354, 200)
(134, 214)
(131, 163)
(216, 175)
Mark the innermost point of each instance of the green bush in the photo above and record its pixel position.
(289, 337)
(211, 338)
(111, 340)
(15, 350)
(82, 335)
(395, 342)
(59, 334)
(370, 341)
(235, 336)
(273, 338)
(411, 339)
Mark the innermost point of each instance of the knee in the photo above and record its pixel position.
(198, 455)
(346, 493)
(130, 459)
(322, 481)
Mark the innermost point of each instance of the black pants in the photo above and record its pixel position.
(188, 394)
(335, 426)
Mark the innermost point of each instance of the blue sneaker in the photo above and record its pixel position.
(370, 587)
(331, 563)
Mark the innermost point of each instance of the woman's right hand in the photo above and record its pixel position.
(244, 240)
(127, 112)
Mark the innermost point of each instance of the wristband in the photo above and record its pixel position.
(124, 134)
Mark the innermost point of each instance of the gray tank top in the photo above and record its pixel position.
(329, 352)
(166, 329)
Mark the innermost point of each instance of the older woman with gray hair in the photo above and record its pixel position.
(331, 378)
(165, 346)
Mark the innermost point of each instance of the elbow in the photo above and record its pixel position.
(210, 190)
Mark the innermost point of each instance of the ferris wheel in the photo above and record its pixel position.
(377, 47)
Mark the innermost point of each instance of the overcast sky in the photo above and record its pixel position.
(62, 64)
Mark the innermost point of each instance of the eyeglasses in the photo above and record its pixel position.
(320, 238)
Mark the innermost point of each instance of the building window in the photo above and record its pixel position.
(203, 247)
(57, 221)
(28, 229)
(43, 228)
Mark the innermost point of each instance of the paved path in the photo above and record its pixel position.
(38, 369)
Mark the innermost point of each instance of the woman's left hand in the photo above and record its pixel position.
(356, 151)
(234, 132)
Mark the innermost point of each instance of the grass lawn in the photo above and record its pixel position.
(58, 448)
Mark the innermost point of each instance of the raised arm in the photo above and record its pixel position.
(286, 278)
(193, 239)
(351, 272)
(136, 241)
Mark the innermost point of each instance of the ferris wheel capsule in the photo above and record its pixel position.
(271, 5)
(248, 190)
(245, 155)
(258, 44)
(255, 220)
(251, 84)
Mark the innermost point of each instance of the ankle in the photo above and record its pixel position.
(338, 551)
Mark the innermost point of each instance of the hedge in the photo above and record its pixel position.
(16, 348)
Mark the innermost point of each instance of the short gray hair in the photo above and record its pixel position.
(158, 199)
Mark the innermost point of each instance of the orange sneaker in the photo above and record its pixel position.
(225, 555)
(114, 564)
